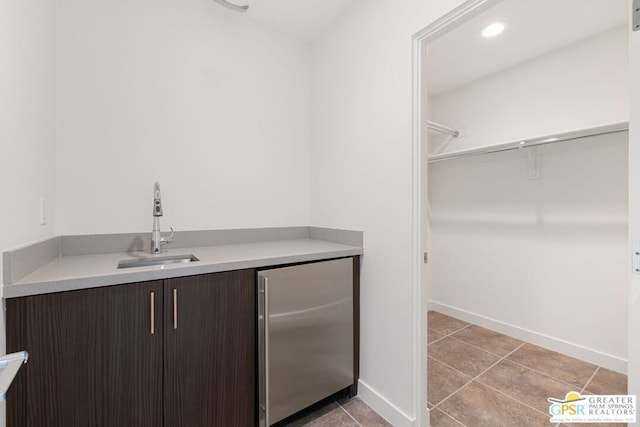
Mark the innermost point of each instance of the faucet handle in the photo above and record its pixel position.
(165, 240)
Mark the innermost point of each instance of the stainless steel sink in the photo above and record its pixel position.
(160, 260)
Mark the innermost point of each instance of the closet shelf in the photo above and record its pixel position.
(548, 139)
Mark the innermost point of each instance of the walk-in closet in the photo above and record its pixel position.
(527, 180)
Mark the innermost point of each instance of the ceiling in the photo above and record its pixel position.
(302, 19)
(533, 28)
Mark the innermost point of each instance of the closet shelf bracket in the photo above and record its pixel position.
(533, 162)
(442, 128)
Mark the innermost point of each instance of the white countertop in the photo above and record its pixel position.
(88, 271)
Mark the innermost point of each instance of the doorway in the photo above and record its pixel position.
(483, 204)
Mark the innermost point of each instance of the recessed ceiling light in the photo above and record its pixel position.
(493, 30)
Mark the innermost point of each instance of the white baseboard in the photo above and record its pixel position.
(382, 406)
(608, 361)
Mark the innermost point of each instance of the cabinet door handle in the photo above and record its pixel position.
(175, 308)
(153, 313)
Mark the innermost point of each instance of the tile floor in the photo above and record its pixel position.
(344, 413)
(480, 378)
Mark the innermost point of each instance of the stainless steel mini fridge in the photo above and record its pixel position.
(305, 336)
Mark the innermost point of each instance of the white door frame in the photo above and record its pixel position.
(419, 190)
(633, 342)
(419, 196)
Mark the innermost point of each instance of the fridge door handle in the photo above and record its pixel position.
(263, 344)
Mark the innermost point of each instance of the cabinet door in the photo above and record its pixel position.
(210, 350)
(93, 360)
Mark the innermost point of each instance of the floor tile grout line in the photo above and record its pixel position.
(445, 334)
(498, 391)
(480, 348)
(450, 416)
(460, 329)
(590, 379)
(472, 345)
(350, 416)
(477, 376)
(544, 373)
(449, 396)
(439, 339)
(464, 342)
(451, 367)
(472, 379)
(514, 399)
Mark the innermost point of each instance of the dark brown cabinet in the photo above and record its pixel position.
(179, 352)
(210, 353)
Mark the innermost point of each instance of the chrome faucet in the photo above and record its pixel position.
(156, 237)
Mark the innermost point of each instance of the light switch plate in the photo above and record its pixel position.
(636, 15)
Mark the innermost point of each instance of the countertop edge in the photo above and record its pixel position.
(21, 261)
(124, 277)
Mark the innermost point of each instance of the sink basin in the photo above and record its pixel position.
(160, 260)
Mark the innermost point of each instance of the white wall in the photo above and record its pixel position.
(538, 255)
(26, 125)
(578, 86)
(361, 178)
(634, 213)
(186, 93)
(27, 148)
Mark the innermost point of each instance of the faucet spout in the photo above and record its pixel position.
(157, 203)
(156, 236)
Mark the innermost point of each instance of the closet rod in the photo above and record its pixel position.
(549, 139)
(442, 128)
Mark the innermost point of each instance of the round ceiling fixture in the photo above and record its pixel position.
(493, 30)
